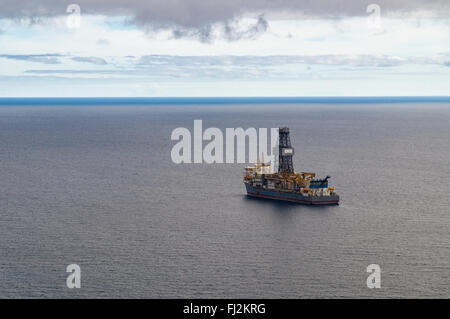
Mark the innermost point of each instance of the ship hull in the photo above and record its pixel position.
(291, 197)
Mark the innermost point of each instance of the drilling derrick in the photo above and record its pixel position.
(285, 152)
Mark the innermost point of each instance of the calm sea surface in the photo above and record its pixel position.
(95, 185)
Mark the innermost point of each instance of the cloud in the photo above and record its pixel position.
(161, 67)
(195, 14)
(358, 60)
(200, 19)
(203, 34)
(68, 71)
(233, 33)
(40, 58)
(93, 60)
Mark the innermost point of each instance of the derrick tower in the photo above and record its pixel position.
(285, 152)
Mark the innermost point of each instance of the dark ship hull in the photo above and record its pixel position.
(291, 196)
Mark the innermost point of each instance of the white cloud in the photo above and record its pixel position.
(318, 56)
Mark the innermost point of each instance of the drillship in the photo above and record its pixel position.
(286, 184)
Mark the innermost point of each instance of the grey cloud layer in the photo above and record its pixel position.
(199, 13)
(40, 58)
(93, 60)
(247, 67)
(52, 58)
(230, 31)
(233, 61)
(360, 60)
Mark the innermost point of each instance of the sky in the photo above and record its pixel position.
(177, 48)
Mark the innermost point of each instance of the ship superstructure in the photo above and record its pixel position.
(286, 184)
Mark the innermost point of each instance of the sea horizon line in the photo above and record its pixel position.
(220, 100)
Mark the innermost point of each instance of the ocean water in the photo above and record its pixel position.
(94, 184)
